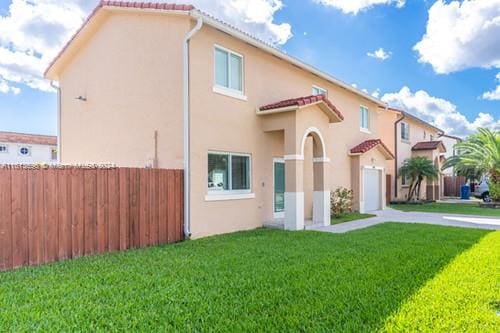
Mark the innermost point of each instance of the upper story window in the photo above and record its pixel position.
(24, 151)
(431, 137)
(405, 131)
(425, 135)
(4, 148)
(319, 91)
(364, 117)
(53, 154)
(228, 172)
(228, 70)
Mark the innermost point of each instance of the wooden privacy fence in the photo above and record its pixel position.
(48, 214)
(452, 185)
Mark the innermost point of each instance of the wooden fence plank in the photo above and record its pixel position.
(113, 210)
(51, 215)
(178, 200)
(144, 208)
(90, 212)
(102, 211)
(153, 204)
(5, 220)
(162, 207)
(64, 209)
(35, 217)
(20, 255)
(77, 212)
(124, 209)
(134, 208)
(171, 205)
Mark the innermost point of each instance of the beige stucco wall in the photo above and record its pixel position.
(130, 73)
(132, 92)
(418, 132)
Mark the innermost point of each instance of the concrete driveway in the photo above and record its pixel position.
(392, 215)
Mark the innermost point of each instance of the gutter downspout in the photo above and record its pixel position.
(186, 127)
(396, 154)
(58, 88)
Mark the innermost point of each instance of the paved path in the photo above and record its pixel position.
(392, 215)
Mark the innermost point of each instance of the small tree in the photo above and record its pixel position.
(417, 169)
(341, 201)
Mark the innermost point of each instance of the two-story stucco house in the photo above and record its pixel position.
(415, 137)
(449, 142)
(261, 135)
(22, 148)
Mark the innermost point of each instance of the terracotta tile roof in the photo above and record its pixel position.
(34, 139)
(303, 101)
(428, 145)
(370, 144)
(123, 4)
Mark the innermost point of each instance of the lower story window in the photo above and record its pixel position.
(24, 151)
(228, 172)
(405, 181)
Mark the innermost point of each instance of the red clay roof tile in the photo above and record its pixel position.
(370, 144)
(34, 139)
(428, 145)
(303, 101)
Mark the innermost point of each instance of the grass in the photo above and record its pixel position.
(389, 277)
(450, 208)
(352, 216)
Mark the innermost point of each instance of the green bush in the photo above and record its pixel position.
(494, 188)
(341, 201)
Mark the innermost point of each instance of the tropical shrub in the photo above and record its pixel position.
(341, 201)
(416, 169)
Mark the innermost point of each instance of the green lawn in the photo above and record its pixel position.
(391, 277)
(346, 217)
(450, 208)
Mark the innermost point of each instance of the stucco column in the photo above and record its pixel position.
(294, 193)
(321, 195)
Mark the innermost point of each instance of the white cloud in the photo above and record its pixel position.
(32, 32)
(5, 88)
(493, 95)
(380, 54)
(438, 111)
(355, 6)
(461, 35)
(376, 93)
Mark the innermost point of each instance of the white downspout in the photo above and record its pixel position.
(190, 34)
(58, 88)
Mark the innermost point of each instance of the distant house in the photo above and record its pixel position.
(449, 142)
(27, 148)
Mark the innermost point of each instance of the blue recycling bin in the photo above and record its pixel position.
(465, 192)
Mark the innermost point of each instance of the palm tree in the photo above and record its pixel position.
(480, 152)
(417, 169)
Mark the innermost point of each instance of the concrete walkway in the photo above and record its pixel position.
(392, 215)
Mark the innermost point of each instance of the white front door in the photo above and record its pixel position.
(278, 188)
(372, 189)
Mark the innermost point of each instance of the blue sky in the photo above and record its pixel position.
(326, 34)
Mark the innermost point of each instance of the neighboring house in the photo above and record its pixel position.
(268, 136)
(449, 143)
(21, 148)
(415, 137)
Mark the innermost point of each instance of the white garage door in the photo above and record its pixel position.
(372, 189)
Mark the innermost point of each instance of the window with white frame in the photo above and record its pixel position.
(405, 131)
(364, 117)
(318, 91)
(405, 181)
(4, 148)
(53, 154)
(24, 151)
(229, 172)
(228, 69)
(431, 137)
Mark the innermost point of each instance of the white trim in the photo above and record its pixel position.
(228, 196)
(321, 207)
(365, 130)
(240, 94)
(294, 210)
(229, 92)
(381, 185)
(293, 157)
(321, 160)
(19, 147)
(306, 134)
(277, 215)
